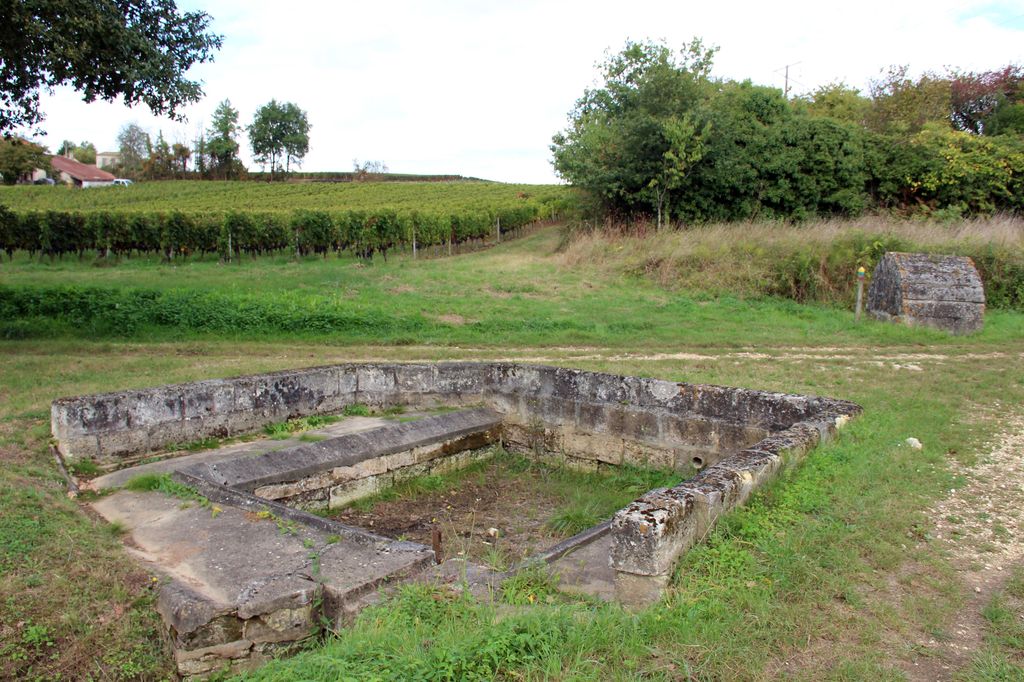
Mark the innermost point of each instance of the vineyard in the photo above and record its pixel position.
(180, 218)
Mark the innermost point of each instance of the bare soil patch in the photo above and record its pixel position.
(980, 524)
(517, 504)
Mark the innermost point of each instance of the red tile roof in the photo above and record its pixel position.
(79, 171)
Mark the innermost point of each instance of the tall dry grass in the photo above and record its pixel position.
(815, 260)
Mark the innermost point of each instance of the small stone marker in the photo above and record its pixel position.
(944, 292)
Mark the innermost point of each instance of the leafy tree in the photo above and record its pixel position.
(18, 157)
(181, 154)
(85, 153)
(160, 164)
(139, 50)
(902, 105)
(221, 143)
(840, 102)
(134, 145)
(199, 157)
(279, 136)
(978, 97)
(632, 141)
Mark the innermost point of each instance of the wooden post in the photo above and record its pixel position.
(435, 541)
(414, 242)
(499, 229)
(860, 292)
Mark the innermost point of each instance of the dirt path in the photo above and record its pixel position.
(981, 524)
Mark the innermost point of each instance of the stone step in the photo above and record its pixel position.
(350, 450)
(239, 584)
(173, 463)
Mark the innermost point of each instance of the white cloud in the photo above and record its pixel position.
(478, 88)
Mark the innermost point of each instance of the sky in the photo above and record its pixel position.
(478, 87)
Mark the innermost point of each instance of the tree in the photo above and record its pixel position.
(279, 136)
(839, 101)
(139, 50)
(902, 105)
(632, 141)
(85, 153)
(978, 98)
(221, 145)
(160, 164)
(199, 157)
(134, 145)
(181, 154)
(18, 157)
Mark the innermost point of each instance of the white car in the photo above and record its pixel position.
(122, 182)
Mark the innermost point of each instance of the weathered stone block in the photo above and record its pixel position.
(944, 292)
(283, 625)
(347, 493)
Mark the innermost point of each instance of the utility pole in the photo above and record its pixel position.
(785, 89)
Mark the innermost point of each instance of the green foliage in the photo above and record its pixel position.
(282, 430)
(139, 52)
(182, 218)
(163, 483)
(219, 156)
(576, 517)
(533, 584)
(356, 410)
(18, 157)
(659, 136)
(279, 136)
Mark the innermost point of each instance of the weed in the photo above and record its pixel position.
(496, 559)
(574, 518)
(84, 466)
(165, 484)
(533, 584)
(356, 410)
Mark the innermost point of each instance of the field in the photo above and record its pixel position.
(870, 561)
(222, 196)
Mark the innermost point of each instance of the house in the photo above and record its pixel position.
(108, 159)
(80, 174)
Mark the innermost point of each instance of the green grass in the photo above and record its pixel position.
(163, 483)
(1002, 657)
(589, 497)
(515, 295)
(830, 570)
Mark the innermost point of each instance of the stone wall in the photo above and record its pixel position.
(733, 439)
(591, 416)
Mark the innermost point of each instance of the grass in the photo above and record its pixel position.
(286, 429)
(163, 483)
(589, 498)
(513, 296)
(1002, 657)
(809, 261)
(825, 575)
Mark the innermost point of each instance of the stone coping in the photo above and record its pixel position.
(279, 466)
(111, 426)
(647, 538)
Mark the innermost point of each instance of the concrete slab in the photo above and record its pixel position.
(249, 580)
(252, 448)
(587, 570)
